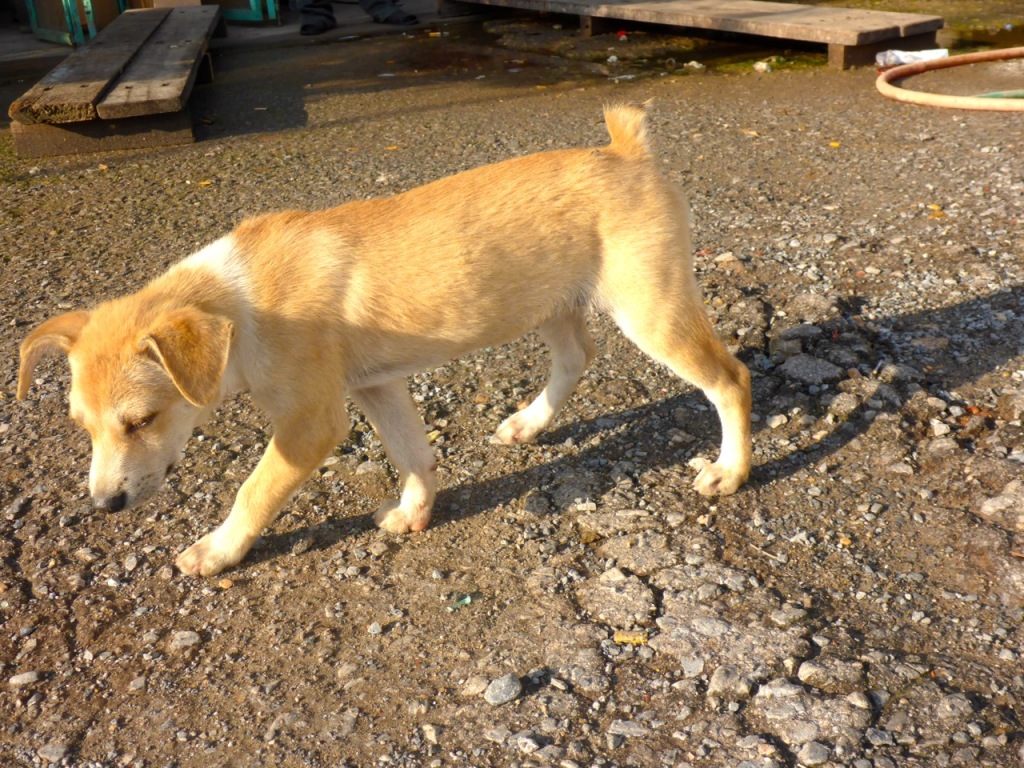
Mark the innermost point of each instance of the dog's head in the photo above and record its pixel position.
(141, 381)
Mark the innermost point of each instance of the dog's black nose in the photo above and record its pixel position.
(112, 504)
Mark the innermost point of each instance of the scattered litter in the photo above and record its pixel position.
(762, 67)
(634, 637)
(622, 36)
(895, 58)
(460, 602)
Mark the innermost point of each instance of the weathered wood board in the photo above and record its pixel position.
(126, 89)
(160, 78)
(70, 92)
(838, 28)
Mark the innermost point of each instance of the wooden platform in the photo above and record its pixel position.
(128, 88)
(853, 36)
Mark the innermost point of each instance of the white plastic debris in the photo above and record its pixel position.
(895, 58)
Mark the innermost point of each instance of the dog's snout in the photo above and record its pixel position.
(112, 503)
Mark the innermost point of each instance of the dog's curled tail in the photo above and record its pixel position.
(627, 125)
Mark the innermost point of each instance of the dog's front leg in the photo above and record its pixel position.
(294, 453)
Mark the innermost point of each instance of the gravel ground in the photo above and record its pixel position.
(858, 603)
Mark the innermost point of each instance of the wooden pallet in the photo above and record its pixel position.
(126, 89)
(852, 36)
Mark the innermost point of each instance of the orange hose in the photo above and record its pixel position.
(941, 100)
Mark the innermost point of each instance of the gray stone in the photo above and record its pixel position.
(53, 752)
(626, 728)
(1006, 509)
(503, 690)
(813, 753)
(184, 639)
(23, 679)
(811, 370)
(832, 675)
(525, 741)
(955, 706)
(727, 683)
(878, 738)
(797, 732)
(550, 753)
(498, 735)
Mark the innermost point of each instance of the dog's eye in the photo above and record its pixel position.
(131, 426)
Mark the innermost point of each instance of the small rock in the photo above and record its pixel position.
(727, 683)
(832, 675)
(498, 735)
(811, 370)
(369, 467)
(25, 678)
(431, 732)
(1007, 509)
(184, 639)
(626, 728)
(813, 753)
(788, 615)
(550, 754)
(956, 706)
(503, 690)
(474, 686)
(53, 752)
(525, 742)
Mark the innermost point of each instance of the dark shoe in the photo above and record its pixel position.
(317, 26)
(399, 18)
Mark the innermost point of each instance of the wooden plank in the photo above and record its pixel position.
(161, 76)
(42, 140)
(70, 91)
(788, 21)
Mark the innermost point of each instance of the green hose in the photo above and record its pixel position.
(1002, 95)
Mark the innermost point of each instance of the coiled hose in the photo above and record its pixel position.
(986, 102)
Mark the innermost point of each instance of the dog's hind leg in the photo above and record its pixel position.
(571, 349)
(661, 312)
(398, 424)
(295, 451)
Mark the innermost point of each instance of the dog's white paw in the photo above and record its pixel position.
(394, 518)
(521, 427)
(212, 554)
(718, 479)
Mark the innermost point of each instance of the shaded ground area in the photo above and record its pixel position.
(859, 603)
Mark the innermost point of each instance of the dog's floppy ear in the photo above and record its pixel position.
(192, 346)
(57, 333)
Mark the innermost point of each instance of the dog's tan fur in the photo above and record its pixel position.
(302, 309)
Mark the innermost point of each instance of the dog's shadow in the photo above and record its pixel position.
(940, 350)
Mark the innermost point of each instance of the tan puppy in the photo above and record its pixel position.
(302, 309)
